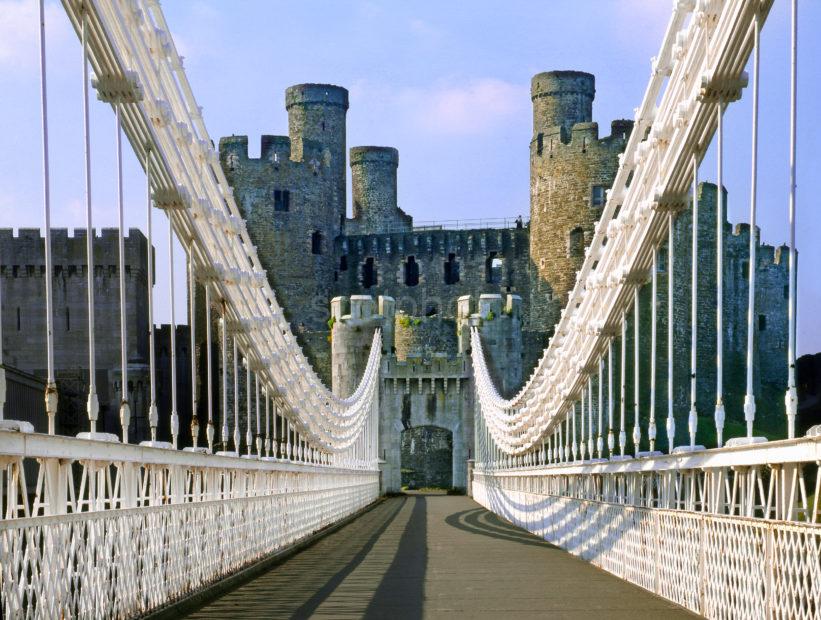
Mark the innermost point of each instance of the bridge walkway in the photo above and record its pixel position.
(426, 556)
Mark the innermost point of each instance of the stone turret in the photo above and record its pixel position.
(500, 326)
(373, 181)
(317, 112)
(561, 99)
(354, 320)
(571, 169)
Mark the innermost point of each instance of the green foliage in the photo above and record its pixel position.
(331, 322)
(405, 321)
(490, 316)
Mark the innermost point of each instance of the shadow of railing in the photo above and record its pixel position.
(401, 592)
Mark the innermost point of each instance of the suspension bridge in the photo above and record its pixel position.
(95, 525)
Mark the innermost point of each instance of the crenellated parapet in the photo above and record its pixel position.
(352, 324)
(499, 321)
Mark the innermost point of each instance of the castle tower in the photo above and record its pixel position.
(316, 112)
(373, 181)
(571, 169)
(355, 320)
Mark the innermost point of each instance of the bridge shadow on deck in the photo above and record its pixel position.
(434, 556)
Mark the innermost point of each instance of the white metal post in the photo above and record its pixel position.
(791, 397)
(719, 411)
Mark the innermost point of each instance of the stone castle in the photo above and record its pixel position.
(338, 278)
(424, 286)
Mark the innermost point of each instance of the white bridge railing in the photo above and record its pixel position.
(140, 527)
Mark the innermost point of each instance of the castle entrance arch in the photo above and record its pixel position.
(426, 457)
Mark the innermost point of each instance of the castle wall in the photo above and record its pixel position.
(298, 262)
(471, 251)
(22, 265)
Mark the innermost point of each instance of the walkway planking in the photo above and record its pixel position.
(433, 557)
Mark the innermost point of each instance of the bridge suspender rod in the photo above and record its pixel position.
(611, 445)
(791, 397)
(590, 416)
(719, 411)
(192, 322)
(636, 426)
(671, 421)
(259, 436)
(692, 422)
(599, 439)
(153, 416)
(249, 439)
(175, 420)
(623, 391)
(236, 396)
(125, 411)
(92, 406)
(749, 398)
(2, 369)
(651, 427)
(51, 386)
(224, 429)
(582, 441)
(209, 431)
(575, 449)
(267, 423)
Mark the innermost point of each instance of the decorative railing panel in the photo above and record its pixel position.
(196, 519)
(716, 565)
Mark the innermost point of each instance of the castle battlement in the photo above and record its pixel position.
(437, 242)
(438, 367)
(26, 249)
(275, 151)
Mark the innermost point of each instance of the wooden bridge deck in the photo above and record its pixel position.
(430, 557)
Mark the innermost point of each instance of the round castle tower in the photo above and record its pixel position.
(374, 196)
(316, 112)
(571, 169)
(561, 99)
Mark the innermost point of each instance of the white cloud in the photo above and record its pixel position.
(19, 33)
(472, 107)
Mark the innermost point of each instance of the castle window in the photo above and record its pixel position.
(282, 200)
(661, 263)
(68, 320)
(575, 243)
(493, 269)
(786, 291)
(762, 322)
(598, 196)
(15, 271)
(369, 276)
(745, 269)
(343, 263)
(411, 272)
(451, 270)
(18, 319)
(316, 242)
(539, 144)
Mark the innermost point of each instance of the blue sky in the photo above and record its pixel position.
(447, 83)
